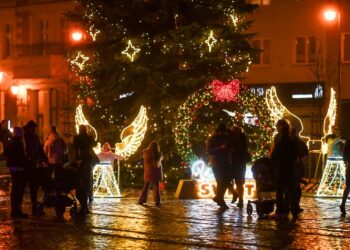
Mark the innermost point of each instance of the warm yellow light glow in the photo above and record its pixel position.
(279, 111)
(1, 76)
(132, 135)
(330, 15)
(14, 89)
(131, 51)
(81, 120)
(333, 179)
(77, 36)
(93, 32)
(80, 60)
(206, 189)
(211, 40)
(105, 184)
(329, 120)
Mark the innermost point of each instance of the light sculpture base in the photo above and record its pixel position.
(333, 179)
(105, 184)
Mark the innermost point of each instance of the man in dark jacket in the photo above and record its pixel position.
(284, 156)
(17, 162)
(36, 157)
(84, 155)
(240, 157)
(218, 147)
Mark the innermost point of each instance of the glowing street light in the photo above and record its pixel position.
(14, 89)
(330, 15)
(77, 36)
(1, 76)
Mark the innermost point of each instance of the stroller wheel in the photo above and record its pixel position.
(249, 209)
(73, 211)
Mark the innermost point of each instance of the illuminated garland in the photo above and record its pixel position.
(132, 135)
(259, 133)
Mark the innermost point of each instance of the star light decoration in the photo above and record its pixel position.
(225, 92)
(131, 51)
(211, 40)
(80, 60)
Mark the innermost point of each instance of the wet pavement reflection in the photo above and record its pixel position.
(178, 224)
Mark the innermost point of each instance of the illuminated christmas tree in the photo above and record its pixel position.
(155, 53)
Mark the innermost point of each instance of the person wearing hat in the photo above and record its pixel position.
(16, 162)
(36, 157)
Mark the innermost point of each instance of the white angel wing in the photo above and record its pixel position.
(132, 135)
(279, 111)
(81, 120)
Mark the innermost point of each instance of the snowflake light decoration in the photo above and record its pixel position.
(211, 40)
(80, 60)
(131, 51)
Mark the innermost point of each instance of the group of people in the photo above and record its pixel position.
(229, 155)
(31, 162)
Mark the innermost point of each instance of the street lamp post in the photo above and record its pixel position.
(332, 15)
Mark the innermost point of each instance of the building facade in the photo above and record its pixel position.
(34, 78)
(304, 56)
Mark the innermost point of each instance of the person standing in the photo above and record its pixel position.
(36, 157)
(346, 159)
(284, 156)
(5, 135)
(84, 155)
(153, 172)
(219, 149)
(17, 163)
(55, 150)
(240, 157)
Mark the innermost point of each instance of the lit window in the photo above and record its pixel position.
(345, 53)
(305, 49)
(259, 2)
(262, 57)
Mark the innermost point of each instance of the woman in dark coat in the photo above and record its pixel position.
(152, 172)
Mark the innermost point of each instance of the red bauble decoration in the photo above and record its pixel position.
(89, 102)
(225, 92)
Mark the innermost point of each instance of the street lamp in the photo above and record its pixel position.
(332, 15)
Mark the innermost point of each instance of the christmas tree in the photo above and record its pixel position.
(155, 53)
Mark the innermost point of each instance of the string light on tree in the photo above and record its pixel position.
(211, 40)
(131, 51)
(80, 60)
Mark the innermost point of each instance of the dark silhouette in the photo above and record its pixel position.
(219, 149)
(5, 135)
(17, 163)
(152, 172)
(35, 170)
(239, 158)
(284, 156)
(346, 159)
(84, 155)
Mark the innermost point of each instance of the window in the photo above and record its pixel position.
(259, 2)
(305, 50)
(7, 42)
(345, 44)
(262, 57)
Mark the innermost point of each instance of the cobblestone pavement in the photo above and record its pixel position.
(178, 224)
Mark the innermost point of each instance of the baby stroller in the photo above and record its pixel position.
(61, 181)
(263, 175)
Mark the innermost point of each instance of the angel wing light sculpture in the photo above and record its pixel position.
(279, 111)
(81, 120)
(132, 135)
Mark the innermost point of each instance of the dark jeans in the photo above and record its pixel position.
(156, 192)
(347, 185)
(287, 197)
(17, 190)
(85, 184)
(239, 191)
(222, 182)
